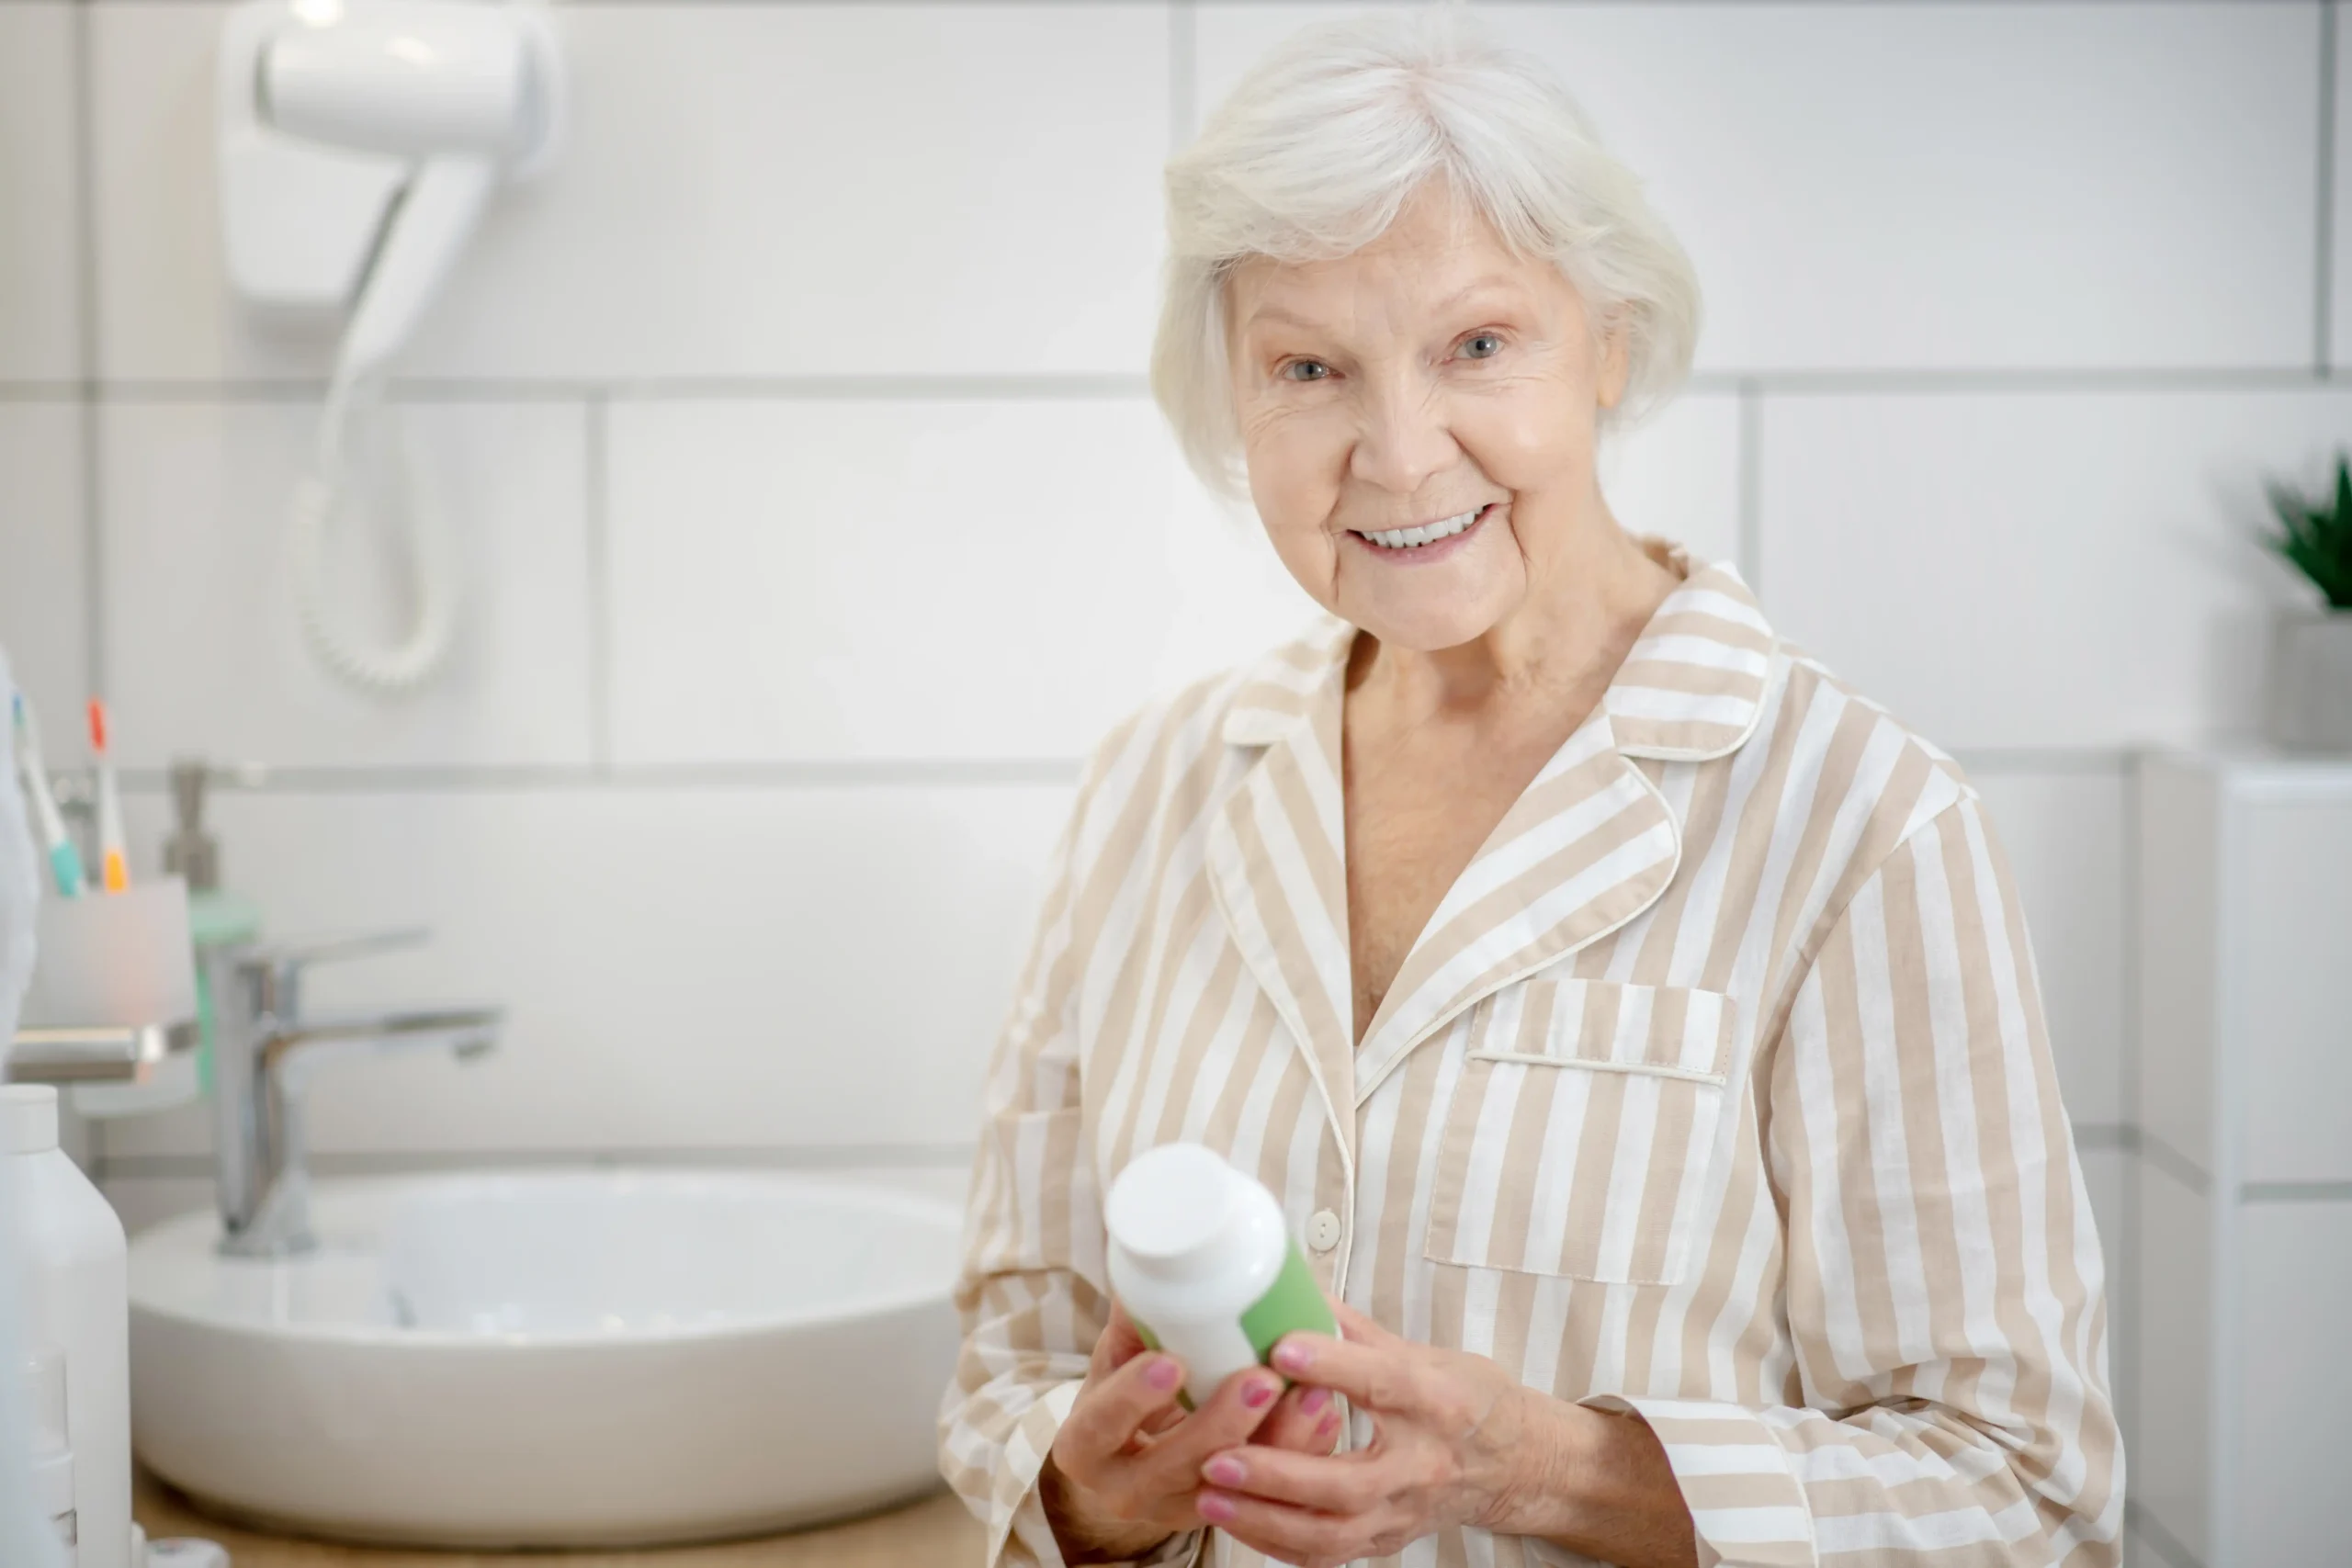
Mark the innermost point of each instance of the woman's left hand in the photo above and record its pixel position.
(1456, 1439)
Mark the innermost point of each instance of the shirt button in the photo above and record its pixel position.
(1323, 1230)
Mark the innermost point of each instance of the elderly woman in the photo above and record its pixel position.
(1637, 1023)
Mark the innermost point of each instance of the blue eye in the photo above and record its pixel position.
(1495, 338)
(1295, 364)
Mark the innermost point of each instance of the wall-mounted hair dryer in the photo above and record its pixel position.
(360, 140)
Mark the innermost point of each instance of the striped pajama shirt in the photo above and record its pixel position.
(1717, 1089)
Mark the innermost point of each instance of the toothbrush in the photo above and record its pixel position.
(114, 854)
(64, 859)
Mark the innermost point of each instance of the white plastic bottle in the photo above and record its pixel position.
(1201, 1259)
(76, 1297)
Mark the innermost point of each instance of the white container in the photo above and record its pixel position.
(43, 1385)
(77, 1298)
(1201, 1259)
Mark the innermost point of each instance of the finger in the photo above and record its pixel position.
(1111, 1409)
(1286, 1533)
(1119, 1343)
(1306, 1418)
(1172, 1464)
(1376, 1376)
(1341, 1484)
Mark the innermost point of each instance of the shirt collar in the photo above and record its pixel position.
(1692, 687)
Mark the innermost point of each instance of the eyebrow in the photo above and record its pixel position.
(1494, 283)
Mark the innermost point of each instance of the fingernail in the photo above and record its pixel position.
(1163, 1374)
(1224, 1469)
(1330, 1419)
(1292, 1357)
(1216, 1507)
(1258, 1394)
(1313, 1400)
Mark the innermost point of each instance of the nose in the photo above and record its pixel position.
(1405, 437)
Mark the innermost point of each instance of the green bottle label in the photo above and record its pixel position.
(1292, 1302)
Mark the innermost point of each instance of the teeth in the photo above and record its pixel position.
(1427, 533)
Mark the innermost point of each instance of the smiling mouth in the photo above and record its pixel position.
(1425, 533)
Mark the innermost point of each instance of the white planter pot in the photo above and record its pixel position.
(2311, 681)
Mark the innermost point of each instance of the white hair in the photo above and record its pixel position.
(1315, 151)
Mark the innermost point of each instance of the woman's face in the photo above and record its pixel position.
(1430, 374)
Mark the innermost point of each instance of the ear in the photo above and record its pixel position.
(1616, 360)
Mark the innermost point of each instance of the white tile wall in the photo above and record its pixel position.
(927, 578)
(1678, 476)
(39, 281)
(2064, 835)
(42, 602)
(2298, 1277)
(2041, 569)
(205, 652)
(745, 969)
(1943, 187)
(2298, 907)
(747, 189)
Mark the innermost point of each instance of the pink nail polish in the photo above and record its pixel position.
(1163, 1373)
(1224, 1469)
(1292, 1357)
(1216, 1507)
(1313, 1400)
(1258, 1396)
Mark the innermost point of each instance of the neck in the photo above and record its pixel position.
(1568, 638)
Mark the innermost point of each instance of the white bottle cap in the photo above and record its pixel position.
(1171, 1209)
(27, 1118)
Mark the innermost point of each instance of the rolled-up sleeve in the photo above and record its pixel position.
(1031, 1292)
(1949, 1401)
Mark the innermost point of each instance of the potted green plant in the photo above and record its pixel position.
(2311, 669)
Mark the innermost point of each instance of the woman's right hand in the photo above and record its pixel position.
(1125, 1471)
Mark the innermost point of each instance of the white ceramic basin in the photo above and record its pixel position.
(552, 1358)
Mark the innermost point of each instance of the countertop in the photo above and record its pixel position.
(937, 1532)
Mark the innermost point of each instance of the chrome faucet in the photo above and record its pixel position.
(263, 1046)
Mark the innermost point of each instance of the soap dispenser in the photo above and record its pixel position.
(216, 918)
(77, 1299)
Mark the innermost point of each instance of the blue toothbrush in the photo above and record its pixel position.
(64, 859)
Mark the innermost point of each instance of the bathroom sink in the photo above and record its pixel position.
(596, 1359)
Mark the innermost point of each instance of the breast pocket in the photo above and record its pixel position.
(1581, 1130)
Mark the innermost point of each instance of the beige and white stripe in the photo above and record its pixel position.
(1718, 1088)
